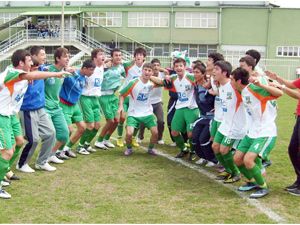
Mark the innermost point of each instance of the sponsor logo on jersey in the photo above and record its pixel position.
(229, 96)
(182, 96)
(143, 97)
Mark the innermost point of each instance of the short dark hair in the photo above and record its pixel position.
(241, 74)
(148, 65)
(216, 56)
(95, 52)
(114, 50)
(88, 64)
(59, 52)
(225, 67)
(155, 60)
(35, 50)
(19, 55)
(200, 67)
(140, 50)
(197, 61)
(179, 60)
(255, 54)
(249, 60)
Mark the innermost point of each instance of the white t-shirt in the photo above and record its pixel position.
(156, 93)
(93, 83)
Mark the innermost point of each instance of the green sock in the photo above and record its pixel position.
(192, 150)
(70, 144)
(4, 165)
(221, 160)
(92, 135)
(85, 136)
(228, 158)
(150, 146)
(106, 137)
(258, 162)
(245, 172)
(61, 147)
(129, 146)
(135, 132)
(100, 138)
(120, 129)
(179, 142)
(256, 173)
(15, 155)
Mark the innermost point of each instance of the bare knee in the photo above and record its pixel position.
(238, 159)
(174, 133)
(215, 147)
(20, 141)
(249, 162)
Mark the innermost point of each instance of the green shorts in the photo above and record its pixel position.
(184, 119)
(126, 104)
(109, 105)
(60, 124)
(7, 139)
(16, 126)
(90, 108)
(261, 146)
(223, 140)
(148, 121)
(72, 113)
(214, 127)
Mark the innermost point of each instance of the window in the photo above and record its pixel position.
(6, 17)
(107, 19)
(288, 51)
(195, 50)
(148, 19)
(195, 20)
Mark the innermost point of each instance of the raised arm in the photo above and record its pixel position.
(38, 75)
(274, 91)
(280, 80)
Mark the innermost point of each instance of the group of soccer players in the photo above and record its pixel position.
(222, 116)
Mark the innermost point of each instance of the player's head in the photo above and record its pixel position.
(98, 56)
(255, 54)
(88, 67)
(61, 57)
(139, 55)
(38, 55)
(222, 69)
(156, 65)
(147, 70)
(248, 63)
(198, 61)
(199, 72)
(212, 59)
(240, 78)
(21, 59)
(116, 56)
(179, 65)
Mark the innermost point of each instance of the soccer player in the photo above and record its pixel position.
(89, 100)
(256, 56)
(133, 70)
(157, 105)
(140, 109)
(109, 102)
(262, 131)
(69, 95)
(13, 86)
(233, 125)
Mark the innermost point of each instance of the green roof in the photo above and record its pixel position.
(45, 13)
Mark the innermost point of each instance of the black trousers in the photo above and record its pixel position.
(294, 149)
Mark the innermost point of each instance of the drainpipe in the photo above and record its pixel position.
(172, 24)
(268, 30)
(220, 29)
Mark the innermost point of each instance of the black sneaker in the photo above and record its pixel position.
(267, 163)
(192, 156)
(295, 191)
(14, 177)
(181, 154)
(260, 193)
(292, 187)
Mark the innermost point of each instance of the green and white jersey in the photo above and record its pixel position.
(185, 90)
(93, 83)
(112, 79)
(132, 71)
(218, 115)
(261, 111)
(139, 97)
(52, 88)
(234, 122)
(12, 91)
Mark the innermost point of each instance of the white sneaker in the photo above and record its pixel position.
(90, 149)
(210, 164)
(201, 161)
(54, 159)
(45, 167)
(173, 144)
(101, 145)
(4, 194)
(25, 168)
(139, 140)
(4, 183)
(82, 151)
(107, 143)
(161, 142)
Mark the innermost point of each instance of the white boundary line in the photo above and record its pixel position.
(257, 204)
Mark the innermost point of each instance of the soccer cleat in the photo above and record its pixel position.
(201, 161)
(260, 193)
(4, 194)
(11, 176)
(295, 192)
(181, 154)
(90, 149)
(232, 179)
(134, 142)
(292, 187)
(152, 152)
(54, 159)
(128, 152)
(45, 167)
(161, 142)
(82, 151)
(4, 183)
(223, 175)
(210, 164)
(70, 153)
(192, 156)
(120, 142)
(267, 163)
(101, 145)
(107, 143)
(62, 155)
(25, 168)
(248, 186)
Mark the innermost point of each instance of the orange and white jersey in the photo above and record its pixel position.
(234, 122)
(132, 71)
(261, 111)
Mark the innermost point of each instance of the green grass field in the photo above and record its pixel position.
(107, 187)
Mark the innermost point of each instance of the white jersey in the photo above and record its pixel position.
(156, 94)
(261, 111)
(218, 116)
(185, 91)
(139, 97)
(132, 71)
(12, 91)
(93, 83)
(234, 122)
